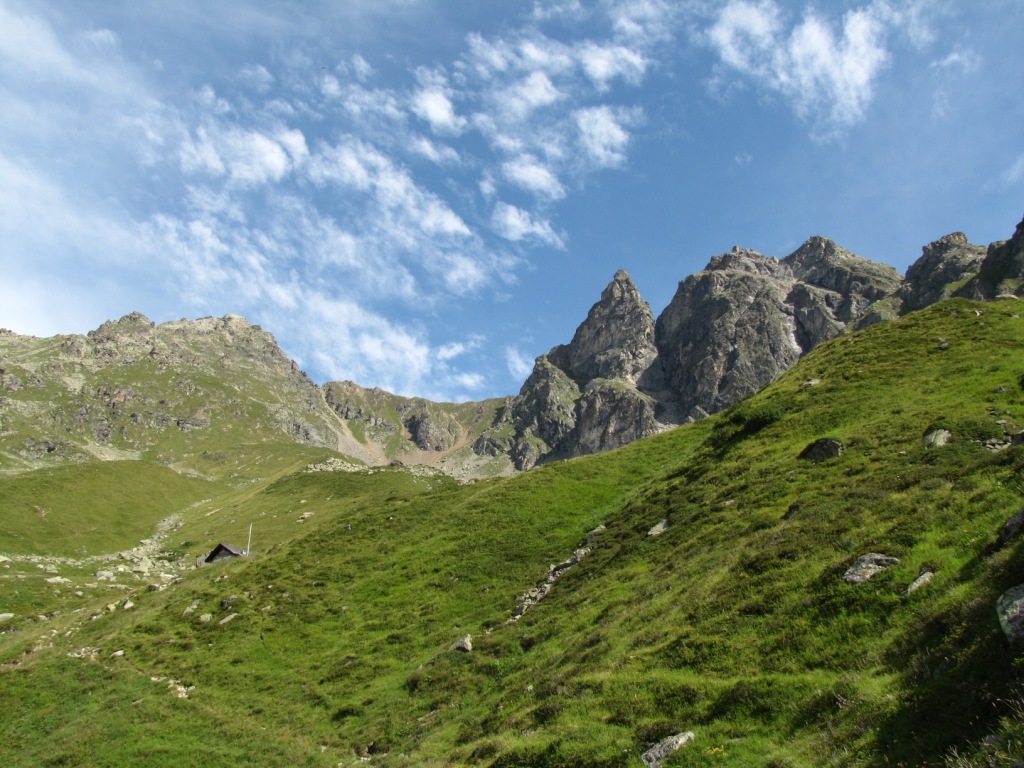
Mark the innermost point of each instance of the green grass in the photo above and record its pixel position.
(734, 623)
(89, 509)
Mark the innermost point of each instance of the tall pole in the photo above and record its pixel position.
(248, 543)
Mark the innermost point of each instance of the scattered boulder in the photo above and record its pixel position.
(463, 644)
(226, 619)
(656, 755)
(822, 450)
(1011, 530)
(867, 566)
(659, 528)
(937, 438)
(1010, 609)
(6, 617)
(920, 581)
(206, 618)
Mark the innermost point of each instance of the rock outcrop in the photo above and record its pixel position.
(730, 330)
(943, 266)
(1001, 272)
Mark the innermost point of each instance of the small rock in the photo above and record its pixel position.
(810, 383)
(111, 607)
(920, 581)
(117, 654)
(464, 644)
(105, 575)
(822, 450)
(867, 566)
(190, 609)
(659, 528)
(127, 605)
(206, 618)
(6, 616)
(229, 617)
(655, 756)
(937, 438)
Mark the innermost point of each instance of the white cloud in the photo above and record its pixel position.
(330, 86)
(828, 77)
(602, 135)
(450, 351)
(515, 224)
(532, 92)
(433, 106)
(362, 67)
(519, 364)
(257, 77)
(441, 154)
(604, 63)
(530, 174)
(962, 59)
(470, 381)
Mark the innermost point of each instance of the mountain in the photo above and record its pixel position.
(190, 392)
(825, 573)
(729, 331)
(187, 394)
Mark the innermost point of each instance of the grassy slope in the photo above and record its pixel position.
(735, 623)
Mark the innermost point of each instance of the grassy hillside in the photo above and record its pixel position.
(330, 645)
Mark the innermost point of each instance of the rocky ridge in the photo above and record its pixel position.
(730, 330)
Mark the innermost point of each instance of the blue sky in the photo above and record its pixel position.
(424, 195)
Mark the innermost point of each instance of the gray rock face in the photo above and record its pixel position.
(609, 415)
(735, 327)
(937, 438)
(727, 332)
(583, 397)
(947, 261)
(1001, 271)
(616, 341)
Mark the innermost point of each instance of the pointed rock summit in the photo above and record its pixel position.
(616, 341)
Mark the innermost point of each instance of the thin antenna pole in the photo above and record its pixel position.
(249, 543)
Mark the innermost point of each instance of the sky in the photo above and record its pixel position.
(425, 195)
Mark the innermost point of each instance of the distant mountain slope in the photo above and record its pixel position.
(182, 393)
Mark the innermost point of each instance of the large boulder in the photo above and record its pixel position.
(1010, 609)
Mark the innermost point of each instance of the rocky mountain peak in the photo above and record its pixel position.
(949, 260)
(616, 341)
(133, 322)
(743, 260)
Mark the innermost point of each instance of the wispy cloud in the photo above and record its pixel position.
(519, 364)
(827, 71)
(515, 224)
(324, 198)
